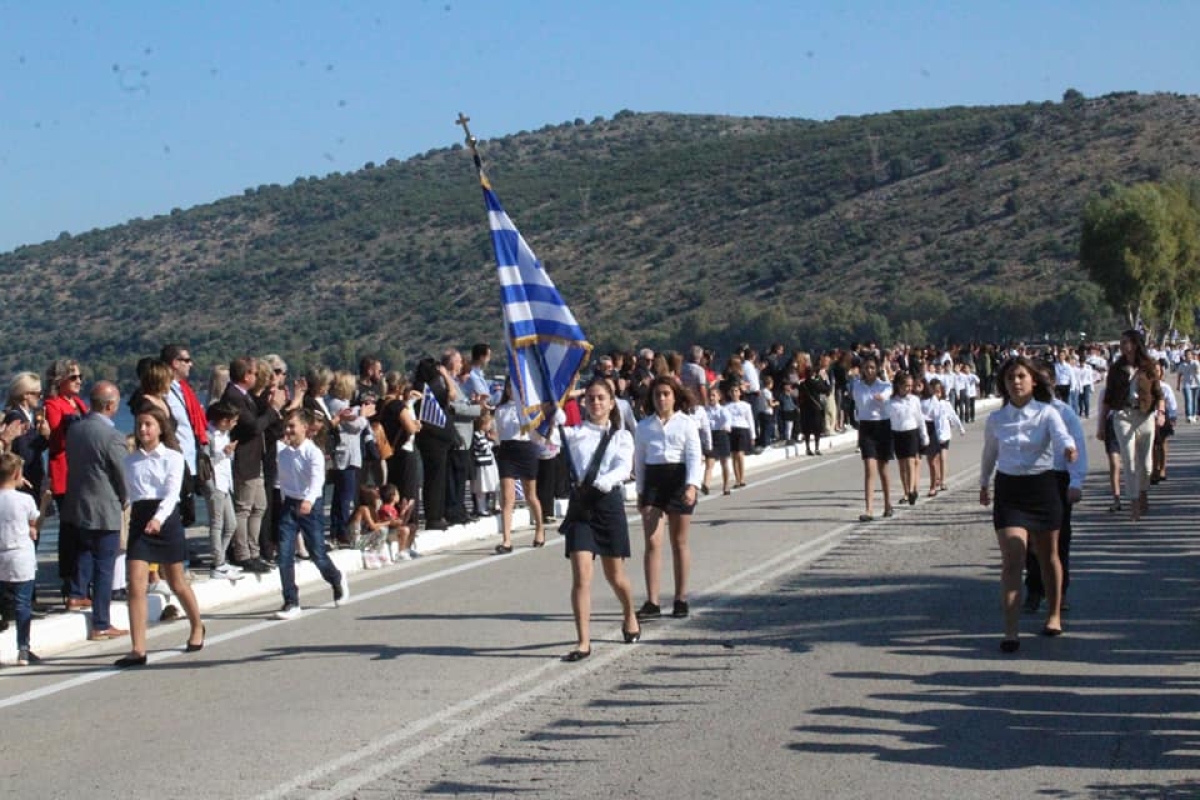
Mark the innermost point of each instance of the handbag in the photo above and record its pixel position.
(382, 443)
(204, 473)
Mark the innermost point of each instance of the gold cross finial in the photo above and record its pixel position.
(463, 119)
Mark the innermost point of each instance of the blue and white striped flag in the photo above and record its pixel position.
(545, 345)
(431, 410)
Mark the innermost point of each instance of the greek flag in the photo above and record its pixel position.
(545, 345)
(431, 410)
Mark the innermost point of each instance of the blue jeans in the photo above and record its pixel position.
(1191, 394)
(309, 526)
(345, 491)
(21, 593)
(94, 567)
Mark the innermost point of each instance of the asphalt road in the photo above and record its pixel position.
(824, 658)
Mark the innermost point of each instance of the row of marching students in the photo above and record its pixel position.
(901, 419)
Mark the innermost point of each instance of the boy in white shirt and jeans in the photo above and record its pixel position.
(18, 559)
(302, 484)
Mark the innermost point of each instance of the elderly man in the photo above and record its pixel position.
(93, 504)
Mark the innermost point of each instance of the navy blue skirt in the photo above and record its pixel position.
(518, 459)
(1031, 502)
(721, 448)
(664, 488)
(168, 547)
(597, 525)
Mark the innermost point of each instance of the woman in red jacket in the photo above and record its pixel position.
(63, 406)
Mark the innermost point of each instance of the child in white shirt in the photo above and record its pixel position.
(18, 559)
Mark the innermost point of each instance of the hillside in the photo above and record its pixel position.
(658, 228)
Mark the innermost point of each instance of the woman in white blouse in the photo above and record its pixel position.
(153, 477)
(516, 460)
(871, 393)
(601, 457)
(669, 469)
(1020, 442)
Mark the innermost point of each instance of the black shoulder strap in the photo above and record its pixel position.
(594, 466)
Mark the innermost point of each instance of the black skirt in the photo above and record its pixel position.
(720, 445)
(875, 439)
(168, 547)
(1112, 445)
(1031, 502)
(906, 444)
(597, 525)
(934, 447)
(664, 488)
(740, 440)
(518, 459)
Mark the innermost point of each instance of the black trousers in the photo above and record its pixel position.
(458, 472)
(1033, 571)
(435, 457)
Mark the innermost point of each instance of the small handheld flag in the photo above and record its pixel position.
(431, 410)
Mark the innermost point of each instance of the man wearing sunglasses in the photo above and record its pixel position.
(191, 424)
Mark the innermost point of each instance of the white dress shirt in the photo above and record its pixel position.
(1022, 441)
(750, 377)
(155, 475)
(718, 417)
(222, 462)
(615, 465)
(674, 442)
(302, 471)
(703, 427)
(905, 415)
(866, 406)
(1078, 469)
(741, 415)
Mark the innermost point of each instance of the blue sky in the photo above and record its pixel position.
(115, 110)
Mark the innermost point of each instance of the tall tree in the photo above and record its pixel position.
(1126, 246)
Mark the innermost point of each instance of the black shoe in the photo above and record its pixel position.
(437, 525)
(576, 655)
(120, 595)
(503, 549)
(1010, 645)
(631, 636)
(124, 662)
(649, 611)
(259, 566)
(188, 647)
(1033, 601)
(680, 609)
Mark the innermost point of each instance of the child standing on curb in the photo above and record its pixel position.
(302, 482)
(222, 521)
(18, 559)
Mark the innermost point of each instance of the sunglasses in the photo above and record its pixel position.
(184, 360)
(74, 377)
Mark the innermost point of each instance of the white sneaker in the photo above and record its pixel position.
(403, 555)
(289, 611)
(160, 587)
(225, 572)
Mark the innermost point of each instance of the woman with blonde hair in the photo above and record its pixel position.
(24, 399)
(348, 425)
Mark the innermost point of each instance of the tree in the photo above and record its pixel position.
(1181, 287)
(1126, 247)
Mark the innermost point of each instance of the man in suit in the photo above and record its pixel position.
(93, 504)
(249, 487)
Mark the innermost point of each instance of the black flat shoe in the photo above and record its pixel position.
(865, 518)
(196, 648)
(649, 611)
(680, 609)
(888, 512)
(704, 488)
(631, 636)
(539, 542)
(503, 549)
(576, 655)
(1048, 631)
(1010, 645)
(124, 662)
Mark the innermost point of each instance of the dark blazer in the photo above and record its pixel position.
(96, 481)
(248, 433)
